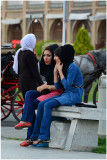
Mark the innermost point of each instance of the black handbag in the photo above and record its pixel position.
(45, 91)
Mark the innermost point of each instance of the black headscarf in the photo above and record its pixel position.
(66, 55)
(47, 70)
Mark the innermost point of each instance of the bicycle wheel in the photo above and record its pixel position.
(95, 95)
(17, 105)
(5, 103)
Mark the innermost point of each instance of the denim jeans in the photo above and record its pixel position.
(43, 119)
(31, 103)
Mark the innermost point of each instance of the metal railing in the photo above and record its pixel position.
(56, 5)
(101, 3)
(14, 7)
(82, 4)
(35, 6)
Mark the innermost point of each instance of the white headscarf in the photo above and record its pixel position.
(28, 42)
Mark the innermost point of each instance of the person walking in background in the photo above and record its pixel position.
(26, 65)
(47, 65)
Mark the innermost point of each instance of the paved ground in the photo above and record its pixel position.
(10, 148)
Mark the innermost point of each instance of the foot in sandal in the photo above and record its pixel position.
(22, 125)
(27, 142)
(41, 143)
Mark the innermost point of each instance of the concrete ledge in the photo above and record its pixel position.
(80, 112)
(81, 132)
(83, 137)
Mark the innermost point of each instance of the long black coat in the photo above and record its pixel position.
(28, 74)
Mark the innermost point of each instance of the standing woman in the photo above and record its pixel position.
(72, 81)
(26, 65)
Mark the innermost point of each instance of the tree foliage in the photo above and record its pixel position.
(82, 42)
(40, 45)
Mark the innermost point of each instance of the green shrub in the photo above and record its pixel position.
(38, 48)
(48, 43)
(41, 45)
(82, 42)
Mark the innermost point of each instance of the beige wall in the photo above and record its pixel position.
(47, 23)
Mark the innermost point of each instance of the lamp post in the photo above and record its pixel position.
(65, 18)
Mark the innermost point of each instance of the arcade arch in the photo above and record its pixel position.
(37, 29)
(56, 30)
(77, 25)
(101, 35)
(14, 32)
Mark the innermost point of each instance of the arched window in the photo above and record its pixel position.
(37, 29)
(57, 31)
(14, 32)
(78, 25)
(101, 35)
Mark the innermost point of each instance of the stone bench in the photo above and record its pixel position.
(80, 131)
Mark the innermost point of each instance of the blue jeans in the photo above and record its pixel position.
(43, 119)
(31, 103)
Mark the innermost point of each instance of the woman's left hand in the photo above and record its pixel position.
(59, 66)
(42, 87)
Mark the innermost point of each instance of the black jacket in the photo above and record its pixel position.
(28, 74)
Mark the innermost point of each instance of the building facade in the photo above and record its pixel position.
(45, 20)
